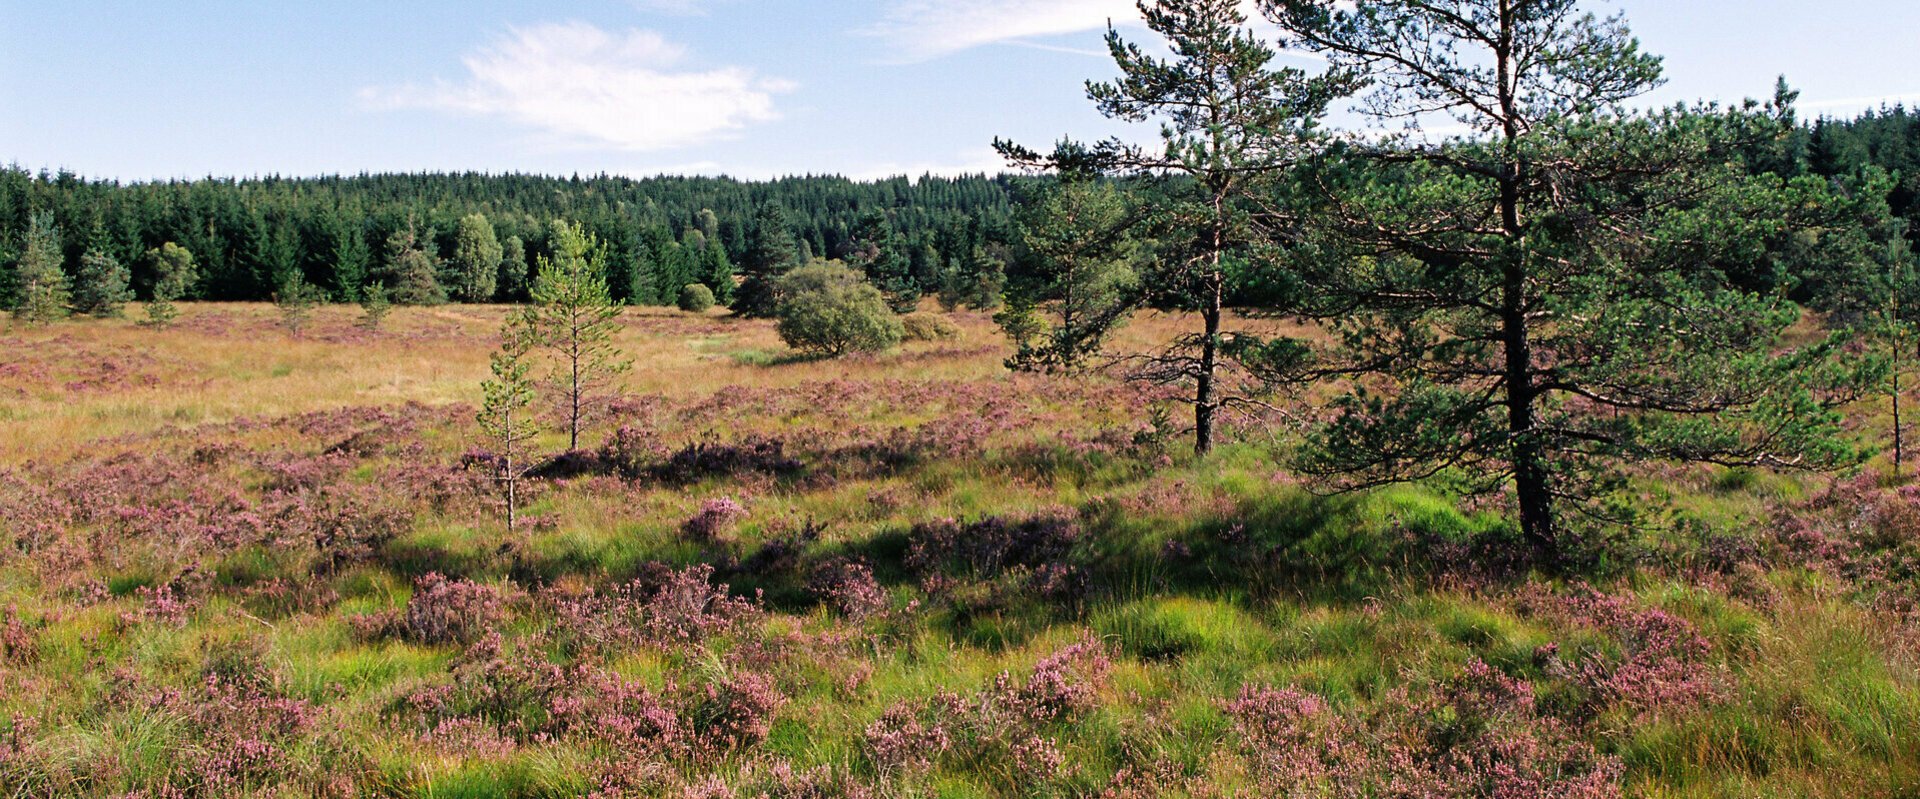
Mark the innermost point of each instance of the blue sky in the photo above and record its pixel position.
(136, 89)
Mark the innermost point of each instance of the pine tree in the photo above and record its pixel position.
(374, 306)
(41, 288)
(1079, 256)
(1231, 123)
(173, 274)
(1529, 307)
(296, 299)
(506, 414)
(575, 318)
(476, 260)
(103, 286)
(876, 251)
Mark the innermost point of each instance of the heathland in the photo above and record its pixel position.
(241, 562)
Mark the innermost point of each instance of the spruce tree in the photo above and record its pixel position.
(103, 286)
(411, 264)
(716, 272)
(770, 253)
(41, 291)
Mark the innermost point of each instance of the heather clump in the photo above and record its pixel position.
(444, 611)
(990, 546)
(730, 713)
(227, 738)
(1011, 721)
(631, 451)
(906, 741)
(782, 554)
(706, 460)
(716, 516)
(507, 698)
(847, 585)
(667, 608)
(19, 638)
(1661, 664)
(345, 523)
(1476, 734)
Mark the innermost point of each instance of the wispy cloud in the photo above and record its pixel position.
(681, 7)
(919, 30)
(595, 88)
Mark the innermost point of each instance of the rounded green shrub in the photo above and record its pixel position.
(829, 309)
(696, 298)
(928, 327)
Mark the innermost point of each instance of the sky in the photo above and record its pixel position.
(144, 90)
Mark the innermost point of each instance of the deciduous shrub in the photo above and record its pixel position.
(829, 309)
(696, 298)
(928, 327)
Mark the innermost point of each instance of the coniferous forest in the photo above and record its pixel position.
(249, 235)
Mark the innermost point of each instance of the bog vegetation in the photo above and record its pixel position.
(1561, 458)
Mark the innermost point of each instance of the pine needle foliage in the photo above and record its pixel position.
(575, 318)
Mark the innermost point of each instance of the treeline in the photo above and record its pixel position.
(1887, 139)
(342, 234)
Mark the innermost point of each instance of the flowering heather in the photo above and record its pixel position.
(1663, 663)
(176, 568)
(1009, 720)
(990, 546)
(164, 605)
(19, 640)
(704, 460)
(1477, 735)
(451, 611)
(905, 742)
(847, 586)
(731, 713)
(715, 517)
(669, 608)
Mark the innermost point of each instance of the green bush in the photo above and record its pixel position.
(928, 327)
(829, 309)
(696, 298)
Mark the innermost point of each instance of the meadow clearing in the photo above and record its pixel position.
(239, 562)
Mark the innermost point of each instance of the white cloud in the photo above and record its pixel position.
(921, 30)
(924, 29)
(594, 88)
(682, 7)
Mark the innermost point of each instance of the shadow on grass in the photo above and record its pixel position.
(770, 358)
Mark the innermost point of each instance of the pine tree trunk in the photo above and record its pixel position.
(1203, 395)
(512, 497)
(1532, 482)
